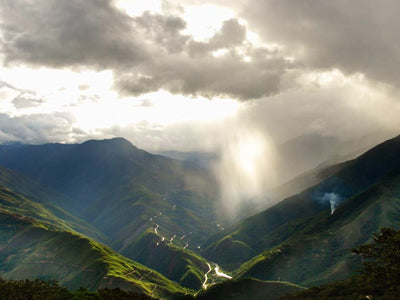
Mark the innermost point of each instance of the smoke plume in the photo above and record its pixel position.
(334, 200)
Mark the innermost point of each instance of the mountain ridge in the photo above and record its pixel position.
(37, 244)
(148, 209)
(287, 221)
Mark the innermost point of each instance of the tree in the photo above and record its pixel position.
(382, 263)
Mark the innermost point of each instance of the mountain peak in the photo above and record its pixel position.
(117, 141)
(117, 144)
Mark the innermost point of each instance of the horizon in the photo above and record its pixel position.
(167, 78)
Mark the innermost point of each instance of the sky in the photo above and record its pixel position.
(243, 76)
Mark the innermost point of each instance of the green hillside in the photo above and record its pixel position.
(123, 192)
(34, 243)
(32, 249)
(178, 264)
(182, 266)
(128, 211)
(117, 187)
(319, 253)
(158, 212)
(277, 224)
(378, 279)
(262, 231)
(45, 212)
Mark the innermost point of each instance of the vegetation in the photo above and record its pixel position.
(245, 289)
(32, 249)
(382, 264)
(315, 241)
(229, 252)
(178, 264)
(51, 290)
(24, 196)
(123, 192)
(318, 253)
(117, 188)
(141, 202)
(379, 279)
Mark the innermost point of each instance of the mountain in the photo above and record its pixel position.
(306, 180)
(125, 193)
(39, 201)
(40, 240)
(313, 149)
(118, 188)
(176, 263)
(304, 239)
(319, 253)
(156, 211)
(34, 243)
(318, 150)
(201, 159)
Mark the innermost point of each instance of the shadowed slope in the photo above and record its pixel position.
(37, 244)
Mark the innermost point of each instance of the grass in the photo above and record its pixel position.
(34, 251)
(229, 252)
(45, 199)
(181, 265)
(37, 244)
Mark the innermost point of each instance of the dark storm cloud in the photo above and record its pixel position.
(354, 36)
(196, 71)
(163, 31)
(68, 33)
(150, 52)
(146, 53)
(210, 76)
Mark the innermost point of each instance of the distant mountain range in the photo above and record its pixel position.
(202, 159)
(107, 214)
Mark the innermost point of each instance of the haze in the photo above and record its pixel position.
(238, 78)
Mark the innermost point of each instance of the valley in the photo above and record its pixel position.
(199, 150)
(150, 226)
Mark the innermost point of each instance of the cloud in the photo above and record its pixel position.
(345, 107)
(27, 100)
(353, 36)
(184, 66)
(195, 70)
(146, 53)
(162, 30)
(232, 34)
(36, 129)
(68, 33)
(151, 51)
(208, 76)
